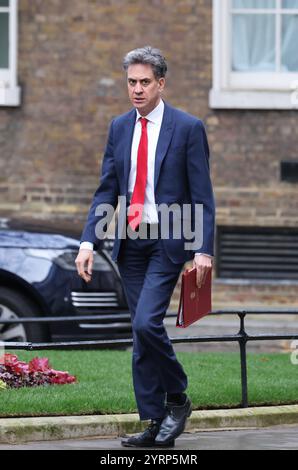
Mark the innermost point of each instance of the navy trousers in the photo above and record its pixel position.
(149, 278)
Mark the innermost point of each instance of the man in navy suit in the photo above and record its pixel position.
(156, 156)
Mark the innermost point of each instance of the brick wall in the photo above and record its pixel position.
(70, 55)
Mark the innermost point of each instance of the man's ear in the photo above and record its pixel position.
(161, 83)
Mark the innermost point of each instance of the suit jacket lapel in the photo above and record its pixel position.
(130, 125)
(165, 136)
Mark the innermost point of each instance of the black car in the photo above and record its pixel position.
(38, 278)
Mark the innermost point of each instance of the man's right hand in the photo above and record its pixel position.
(84, 264)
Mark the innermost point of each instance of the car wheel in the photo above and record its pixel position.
(15, 305)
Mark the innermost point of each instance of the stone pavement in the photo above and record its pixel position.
(273, 438)
(19, 430)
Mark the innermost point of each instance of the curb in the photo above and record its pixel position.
(18, 430)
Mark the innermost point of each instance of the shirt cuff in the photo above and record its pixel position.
(205, 254)
(86, 246)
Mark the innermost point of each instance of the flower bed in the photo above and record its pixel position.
(16, 374)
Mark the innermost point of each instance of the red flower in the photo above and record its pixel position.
(12, 363)
(59, 377)
(39, 364)
(17, 373)
(20, 368)
(8, 359)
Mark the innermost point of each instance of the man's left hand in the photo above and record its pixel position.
(203, 264)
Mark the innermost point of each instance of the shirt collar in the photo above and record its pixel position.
(156, 114)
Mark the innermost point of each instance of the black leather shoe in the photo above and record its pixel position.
(145, 439)
(174, 423)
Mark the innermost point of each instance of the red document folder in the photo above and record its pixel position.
(195, 302)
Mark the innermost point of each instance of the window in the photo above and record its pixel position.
(255, 59)
(9, 91)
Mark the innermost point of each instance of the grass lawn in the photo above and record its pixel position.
(105, 385)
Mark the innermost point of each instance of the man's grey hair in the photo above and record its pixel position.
(147, 55)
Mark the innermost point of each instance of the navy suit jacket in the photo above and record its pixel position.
(181, 176)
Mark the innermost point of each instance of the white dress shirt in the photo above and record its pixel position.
(154, 118)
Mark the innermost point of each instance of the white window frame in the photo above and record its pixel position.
(238, 90)
(10, 92)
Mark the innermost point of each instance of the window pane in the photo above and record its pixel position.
(4, 3)
(4, 41)
(253, 43)
(289, 55)
(289, 3)
(254, 3)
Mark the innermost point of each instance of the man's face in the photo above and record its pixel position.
(144, 89)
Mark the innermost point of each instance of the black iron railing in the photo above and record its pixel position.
(242, 337)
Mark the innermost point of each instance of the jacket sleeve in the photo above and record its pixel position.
(106, 194)
(200, 186)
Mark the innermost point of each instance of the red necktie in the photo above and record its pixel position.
(138, 196)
